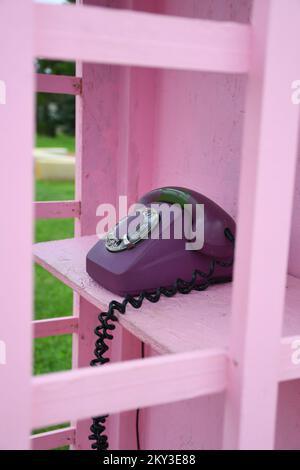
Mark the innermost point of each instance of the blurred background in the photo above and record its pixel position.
(54, 164)
(54, 158)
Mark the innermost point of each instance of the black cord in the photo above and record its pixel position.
(137, 417)
(103, 330)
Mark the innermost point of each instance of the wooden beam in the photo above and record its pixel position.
(207, 319)
(67, 85)
(104, 35)
(126, 385)
(57, 209)
(53, 439)
(16, 142)
(55, 327)
(265, 205)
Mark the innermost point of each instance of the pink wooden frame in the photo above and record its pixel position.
(55, 327)
(58, 84)
(96, 34)
(245, 375)
(53, 439)
(57, 397)
(57, 209)
(269, 156)
(16, 234)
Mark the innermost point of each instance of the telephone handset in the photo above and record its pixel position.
(137, 260)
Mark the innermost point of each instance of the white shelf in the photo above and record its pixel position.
(199, 320)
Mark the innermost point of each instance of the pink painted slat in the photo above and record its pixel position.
(287, 420)
(135, 133)
(58, 84)
(127, 385)
(134, 38)
(206, 316)
(82, 343)
(55, 327)
(97, 106)
(16, 123)
(82, 353)
(53, 439)
(137, 113)
(57, 209)
(265, 203)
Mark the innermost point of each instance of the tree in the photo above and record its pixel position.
(55, 112)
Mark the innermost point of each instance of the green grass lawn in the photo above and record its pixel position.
(52, 297)
(61, 141)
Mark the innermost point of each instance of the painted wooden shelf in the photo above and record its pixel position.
(199, 320)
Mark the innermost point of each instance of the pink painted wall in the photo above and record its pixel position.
(143, 119)
(198, 125)
(203, 142)
(139, 128)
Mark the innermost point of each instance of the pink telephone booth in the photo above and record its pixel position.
(202, 94)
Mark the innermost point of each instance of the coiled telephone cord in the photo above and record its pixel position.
(106, 319)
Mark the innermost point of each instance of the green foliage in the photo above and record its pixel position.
(55, 111)
(52, 298)
(55, 67)
(61, 140)
(54, 191)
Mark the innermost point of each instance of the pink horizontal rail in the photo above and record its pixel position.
(57, 209)
(104, 35)
(53, 439)
(58, 84)
(55, 327)
(126, 385)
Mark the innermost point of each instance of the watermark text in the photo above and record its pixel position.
(2, 92)
(2, 353)
(295, 97)
(295, 352)
(175, 222)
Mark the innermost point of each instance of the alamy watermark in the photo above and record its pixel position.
(175, 221)
(2, 92)
(295, 357)
(2, 353)
(295, 97)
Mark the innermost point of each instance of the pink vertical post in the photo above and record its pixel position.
(95, 184)
(16, 123)
(265, 203)
(87, 313)
(98, 154)
(114, 149)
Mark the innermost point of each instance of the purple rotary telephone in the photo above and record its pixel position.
(144, 258)
(137, 261)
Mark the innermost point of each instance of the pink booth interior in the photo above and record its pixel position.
(144, 127)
